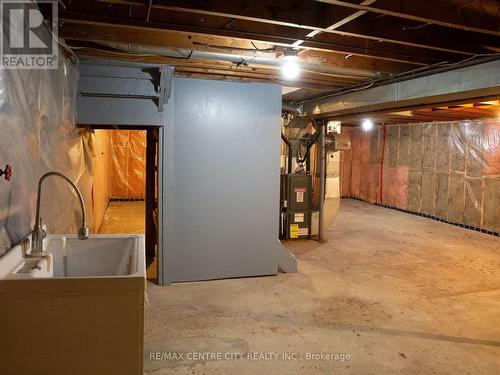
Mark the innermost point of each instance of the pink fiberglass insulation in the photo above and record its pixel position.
(364, 183)
(355, 178)
(491, 146)
(402, 187)
(365, 147)
(390, 198)
(436, 176)
(355, 146)
(345, 178)
(373, 176)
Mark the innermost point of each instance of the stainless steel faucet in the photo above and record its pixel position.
(38, 232)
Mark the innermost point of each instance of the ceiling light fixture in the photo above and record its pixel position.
(367, 125)
(290, 55)
(290, 69)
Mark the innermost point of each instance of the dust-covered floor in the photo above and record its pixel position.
(124, 217)
(394, 292)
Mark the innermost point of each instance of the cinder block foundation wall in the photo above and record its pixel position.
(448, 170)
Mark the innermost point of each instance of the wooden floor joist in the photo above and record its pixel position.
(380, 36)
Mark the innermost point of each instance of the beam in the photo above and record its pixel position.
(393, 28)
(305, 81)
(93, 32)
(227, 77)
(420, 114)
(87, 27)
(345, 20)
(233, 14)
(184, 67)
(450, 21)
(473, 81)
(238, 60)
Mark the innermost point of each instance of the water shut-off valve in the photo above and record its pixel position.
(7, 172)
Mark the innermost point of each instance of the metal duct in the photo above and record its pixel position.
(337, 142)
(285, 107)
(250, 60)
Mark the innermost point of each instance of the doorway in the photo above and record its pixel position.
(124, 193)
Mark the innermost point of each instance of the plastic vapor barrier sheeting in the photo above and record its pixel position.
(448, 170)
(37, 113)
(128, 164)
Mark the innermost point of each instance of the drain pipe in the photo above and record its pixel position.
(249, 60)
(290, 152)
(322, 179)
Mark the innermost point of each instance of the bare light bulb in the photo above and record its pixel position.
(367, 125)
(290, 70)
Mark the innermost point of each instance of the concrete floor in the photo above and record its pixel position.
(398, 293)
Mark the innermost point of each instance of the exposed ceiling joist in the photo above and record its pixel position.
(418, 114)
(339, 23)
(345, 20)
(218, 70)
(449, 21)
(233, 14)
(274, 76)
(83, 20)
(381, 37)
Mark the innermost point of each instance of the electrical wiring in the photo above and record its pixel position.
(473, 58)
(215, 46)
(338, 93)
(263, 49)
(465, 4)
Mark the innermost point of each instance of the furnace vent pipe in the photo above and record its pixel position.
(290, 152)
(250, 60)
(285, 107)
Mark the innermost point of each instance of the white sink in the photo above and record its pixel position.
(83, 298)
(14, 266)
(98, 256)
(68, 256)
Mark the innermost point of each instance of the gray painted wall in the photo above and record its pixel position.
(221, 180)
(121, 93)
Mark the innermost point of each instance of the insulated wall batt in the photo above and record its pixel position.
(448, 170)
(128, 164)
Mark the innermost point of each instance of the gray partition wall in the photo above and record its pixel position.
(221, 156)
(122, 93)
